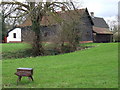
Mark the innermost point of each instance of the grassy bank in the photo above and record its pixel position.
(91, 68)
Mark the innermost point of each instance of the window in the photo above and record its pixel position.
(45, 34)
(88, 34)
(14, 35)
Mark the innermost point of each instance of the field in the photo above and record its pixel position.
(13, 47)
(96, 67)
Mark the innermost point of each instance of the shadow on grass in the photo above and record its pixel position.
(47, 52)
(24, 82)
(18, 54)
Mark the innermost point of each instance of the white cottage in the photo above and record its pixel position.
(14, 36)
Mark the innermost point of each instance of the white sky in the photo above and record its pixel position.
(108, 9)
(101, 8)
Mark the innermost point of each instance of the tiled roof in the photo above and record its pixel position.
(51, 20)
(99, 30)
(46, 20)
(99, 22)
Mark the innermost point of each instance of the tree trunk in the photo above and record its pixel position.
(36, 17)
(37, 44)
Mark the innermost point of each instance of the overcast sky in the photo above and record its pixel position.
(101, 8)
(108, 9)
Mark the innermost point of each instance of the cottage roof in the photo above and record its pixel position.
(99, 22)
(64, 15)
(10, 31)
(99, 30)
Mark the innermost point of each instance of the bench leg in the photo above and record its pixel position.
(30, 77)
(19, 79)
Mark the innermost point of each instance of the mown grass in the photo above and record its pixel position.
(23, 50)
(15, 50)
(91, 68)
(13, 47)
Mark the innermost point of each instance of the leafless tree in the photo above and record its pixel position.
(71, 32)
(36, 11)
(9, 22)
(115, 28)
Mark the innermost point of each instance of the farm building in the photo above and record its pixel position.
(50, 27)
(92, 29)
(14, 35)
(101, 31)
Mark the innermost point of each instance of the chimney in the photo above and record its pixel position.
(92, 14)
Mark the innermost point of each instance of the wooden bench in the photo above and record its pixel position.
(28, 72)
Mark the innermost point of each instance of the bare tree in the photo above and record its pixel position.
(115, 28)
(9, 22)
(36, 11)
(71, 32)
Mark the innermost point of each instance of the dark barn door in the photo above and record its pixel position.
(103, 38)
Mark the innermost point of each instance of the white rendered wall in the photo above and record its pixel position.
(11, 38)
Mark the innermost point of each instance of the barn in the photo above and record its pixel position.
(50, 27)
(101, 31)
(93, 29)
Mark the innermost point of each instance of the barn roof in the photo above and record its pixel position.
(99, 30)
(99, 22)
(65, 15)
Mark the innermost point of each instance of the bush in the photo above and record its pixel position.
(116, 37)
(67, 49)
(51, 49)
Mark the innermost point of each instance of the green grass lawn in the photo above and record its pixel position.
(96, 67)
(14, 50)
(13, 47)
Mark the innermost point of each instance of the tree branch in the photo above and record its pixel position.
(23, 10)
(5, 16)
(15, 3)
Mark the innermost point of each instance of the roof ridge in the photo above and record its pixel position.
(99, 17)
